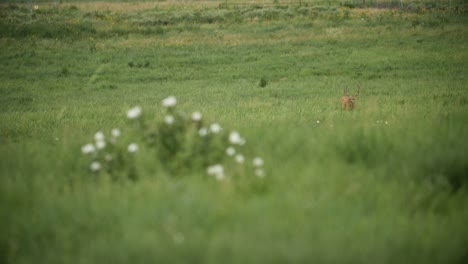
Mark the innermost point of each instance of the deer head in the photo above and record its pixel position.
(347, 101)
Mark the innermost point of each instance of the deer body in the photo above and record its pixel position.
(347, 101)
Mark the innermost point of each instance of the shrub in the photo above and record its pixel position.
(182, 144)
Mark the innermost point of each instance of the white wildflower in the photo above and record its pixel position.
(99, 136)
(88, 148)
(115, 132)
(215, 128)
(132, 148)
(235, 138)
(196, 116)
(100, 144)
(217, 171)
(109, 157)
(318, 121)
(230, 151)
(203, 132)
(178, 238)
(260, 173)
(169, 119)
(169, 102)
(36, 7)
(95, 166)
(257, 162)
(239, 158)
(134, 112)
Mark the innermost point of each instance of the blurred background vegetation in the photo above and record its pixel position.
(385, 183)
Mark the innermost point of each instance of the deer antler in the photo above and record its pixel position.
(358, 90)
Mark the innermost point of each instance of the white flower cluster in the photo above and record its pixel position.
(196, 116)
(100, 143)
(102, 150)
(169, 119)
(95, 166)
(230, 151)
(236, 139)
(134, 112)
(217, 171)
(382, 122)
(132, 148)
(88, 149)
(214, 128)
(169, 102)
(258, 164)
(100, 140)
(203, 132)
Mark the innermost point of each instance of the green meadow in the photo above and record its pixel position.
(383, 183)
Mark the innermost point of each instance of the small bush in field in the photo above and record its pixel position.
(263, 82)
(182, 143)
(109, 155)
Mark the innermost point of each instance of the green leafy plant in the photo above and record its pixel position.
(182, 143)
(263, 82)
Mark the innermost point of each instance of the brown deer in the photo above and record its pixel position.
(347, 101)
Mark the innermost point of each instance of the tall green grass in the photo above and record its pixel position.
(385, 183)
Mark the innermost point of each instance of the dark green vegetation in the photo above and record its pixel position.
(385, 183)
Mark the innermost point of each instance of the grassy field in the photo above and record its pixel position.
(384, 183)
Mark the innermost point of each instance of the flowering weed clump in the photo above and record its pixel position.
(109, 155)
(182, 143)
